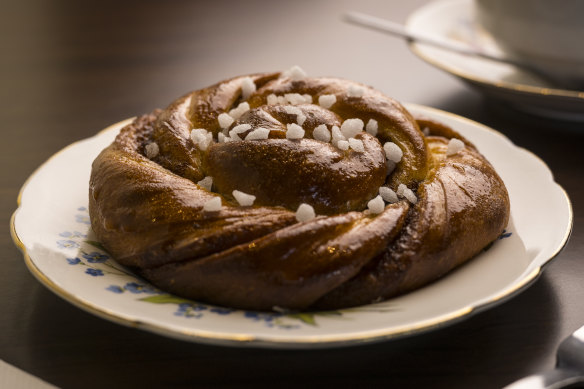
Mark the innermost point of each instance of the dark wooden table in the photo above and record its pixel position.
(69, 69)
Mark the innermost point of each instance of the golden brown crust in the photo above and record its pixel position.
(462, 206)
(148, 212)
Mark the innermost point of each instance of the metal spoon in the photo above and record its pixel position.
(569, 369)
(396, 29)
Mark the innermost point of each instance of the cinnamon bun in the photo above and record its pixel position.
(282, 190)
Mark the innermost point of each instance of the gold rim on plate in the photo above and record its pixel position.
(307, 341)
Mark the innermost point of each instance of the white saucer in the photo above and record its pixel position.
(52, 228)
(455, 20)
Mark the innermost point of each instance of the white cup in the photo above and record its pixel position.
(548, 34)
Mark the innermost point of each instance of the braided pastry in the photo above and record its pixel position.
(283, 191)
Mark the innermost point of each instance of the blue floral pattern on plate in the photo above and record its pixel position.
(98, 263)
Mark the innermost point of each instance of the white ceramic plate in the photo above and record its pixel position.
(455, 20)
(51, 226)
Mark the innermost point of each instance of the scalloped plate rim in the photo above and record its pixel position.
(265, 340)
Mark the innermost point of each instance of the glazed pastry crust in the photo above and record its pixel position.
(148, 212)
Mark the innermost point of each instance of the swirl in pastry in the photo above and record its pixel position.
(281, 190)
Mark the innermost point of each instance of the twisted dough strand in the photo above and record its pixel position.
(149, 212)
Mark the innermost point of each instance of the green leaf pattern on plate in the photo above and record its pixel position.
(91, 256)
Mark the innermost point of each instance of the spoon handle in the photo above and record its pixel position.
(396, 29)
(553, 379)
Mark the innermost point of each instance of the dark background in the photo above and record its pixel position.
(69, 69)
